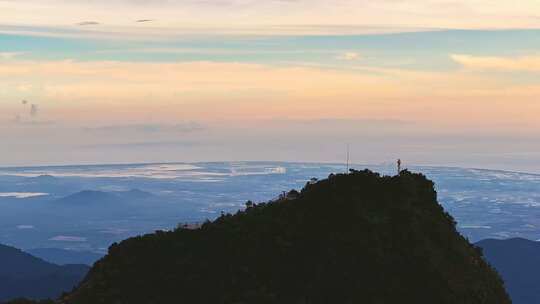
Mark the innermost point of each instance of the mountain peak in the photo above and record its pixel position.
(351, 238)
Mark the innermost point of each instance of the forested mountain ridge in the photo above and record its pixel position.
(351, 238)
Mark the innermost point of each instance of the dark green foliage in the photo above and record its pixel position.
(355, 238)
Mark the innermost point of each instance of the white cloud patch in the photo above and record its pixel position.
(65, 238)
(524, 63)
(22, 194)
(350, 56)
(25, 227)
(9, 55)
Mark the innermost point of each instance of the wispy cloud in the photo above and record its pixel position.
(10, 55)
(85, 23)
(206, 91)
(144, 145)
(349, 56)
(25, 227)
(184, 127)
(32, 123)
(153, 31)
(268, 14)
(524, 63)
(66, 238)
(22, 194)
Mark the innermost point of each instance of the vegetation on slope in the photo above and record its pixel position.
(351, 238)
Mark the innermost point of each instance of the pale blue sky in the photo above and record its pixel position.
(417, 50)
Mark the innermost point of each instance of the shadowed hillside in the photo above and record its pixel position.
(65, 257)
(356, 238)
(23, 275)
(518, 262)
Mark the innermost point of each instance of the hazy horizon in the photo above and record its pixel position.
(389, 166)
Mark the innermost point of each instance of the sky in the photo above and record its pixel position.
(452, 83)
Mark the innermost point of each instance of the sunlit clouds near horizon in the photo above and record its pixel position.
(435, 82)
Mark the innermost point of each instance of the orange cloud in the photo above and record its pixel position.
(130, 92)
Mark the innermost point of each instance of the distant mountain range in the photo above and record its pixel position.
(518, 262)
(79, 201)
(23, 275)
(65, 257)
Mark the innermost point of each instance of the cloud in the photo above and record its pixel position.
(85, 23)
(10, 55)
(25, 227)
(144, 145)
(32, 123)
(22, 194)
(398, 123)
(349, 56)
(143, 20)
(184, 127)
(154, 99)
(524, 63)
(64, 238)
(136, 31)
(178, 82)
(268, 14)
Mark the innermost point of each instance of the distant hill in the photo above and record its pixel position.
(355, 238)
(23, 275)
(518, 262)
(86, 197)
(135, 194)
(63, 256)
(44, 178)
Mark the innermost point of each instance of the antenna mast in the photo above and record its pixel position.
(348, 148)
